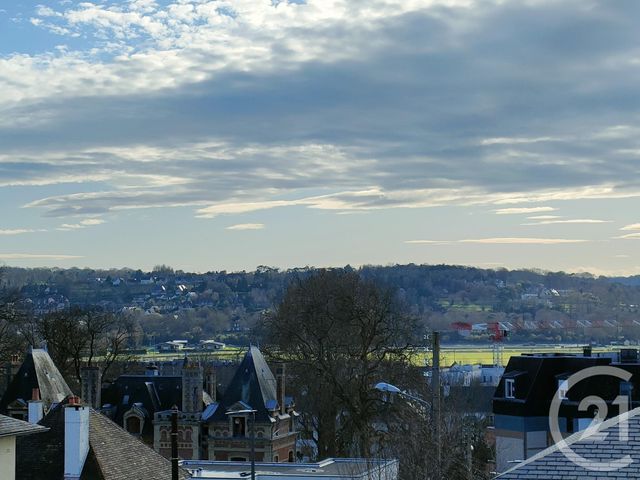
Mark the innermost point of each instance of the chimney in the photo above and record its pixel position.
(280, 383)
(76, 438)
(211, 381)
(91, 386)
(36, 407)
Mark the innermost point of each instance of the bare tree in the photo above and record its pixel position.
(340, 334)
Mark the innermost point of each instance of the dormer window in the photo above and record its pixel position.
(239, 426)
(563, 388)
(509, 388)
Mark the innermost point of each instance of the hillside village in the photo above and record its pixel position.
(534, 305)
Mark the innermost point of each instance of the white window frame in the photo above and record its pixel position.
(509, 388)
(563, 388)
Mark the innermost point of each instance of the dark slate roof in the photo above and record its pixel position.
(113, 454)
(37, 371)
(12, 427)
(253, 384)
(535, 377)
(154, 393)
(604, 444)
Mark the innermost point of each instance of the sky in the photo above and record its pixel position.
(211, 135)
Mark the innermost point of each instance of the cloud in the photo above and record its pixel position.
(255, 105)
(569, 221)
(246, 226)
(36, 256)
(543, 217)
(629, 236)
(633, 226)
(82, 224)
(521, 210)
(18, 231)
(501, 241)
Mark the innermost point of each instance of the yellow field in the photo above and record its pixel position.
(461, 354)
(484, 354)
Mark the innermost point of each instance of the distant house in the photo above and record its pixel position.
(173, 346)
(211, 345)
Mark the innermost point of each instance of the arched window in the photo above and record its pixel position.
(133, 425)
(291, 456)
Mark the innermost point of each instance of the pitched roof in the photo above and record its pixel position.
(113, 454)
(12, 427)
(37, 371)
(605, 444)
(253, 384)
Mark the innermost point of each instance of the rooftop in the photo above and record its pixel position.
(10, 427)
(330, 468)
(605, 452)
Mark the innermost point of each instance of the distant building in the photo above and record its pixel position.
(211, 345)
(254, 386)
(207, 427)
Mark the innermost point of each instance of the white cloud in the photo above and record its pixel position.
(633, 226)
(36, 256)
(629, 236)
(521, 210)
(501, 241)
(246, 226)
(18, 231)
(569, 221)
(82, 224)
(544, 217)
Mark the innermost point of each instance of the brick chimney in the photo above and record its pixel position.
(36, 407)
(76, 438)
(280, 383)
(91, 386)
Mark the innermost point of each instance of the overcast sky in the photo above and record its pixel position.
(236, 133)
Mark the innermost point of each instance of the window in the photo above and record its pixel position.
(290, 456)
(510, 388)
(239, 426)
(563, 388)
(133, 425)
(276, 459)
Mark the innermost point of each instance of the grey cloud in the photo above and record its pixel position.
(409, 112)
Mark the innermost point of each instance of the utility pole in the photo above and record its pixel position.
(435, 380)
(174, 443)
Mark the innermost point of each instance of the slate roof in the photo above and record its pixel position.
(10, 427)
(253, 384)
(37, 371)
(154, 393)
(604, 444)
(113, 454)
